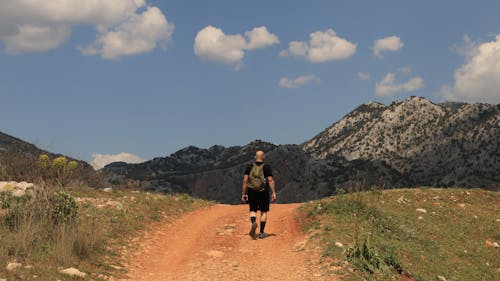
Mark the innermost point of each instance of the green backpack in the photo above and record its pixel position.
(256, 179)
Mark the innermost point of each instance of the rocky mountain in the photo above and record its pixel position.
(449, 144)
(17, 158)
(408, 143)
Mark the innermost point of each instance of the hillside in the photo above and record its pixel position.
(422, 233)
(17, 158)
(451, 144)
(408, 143)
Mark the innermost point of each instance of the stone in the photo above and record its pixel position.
(338, 244)
(11, 266)
(15, 188)
(421, 210)
(71, 271)
(402, 200)
(114, 205)
(441, 278)
(108, 189)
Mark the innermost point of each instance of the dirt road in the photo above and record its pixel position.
(213, 244)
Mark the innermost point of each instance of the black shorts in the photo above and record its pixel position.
(258, 201)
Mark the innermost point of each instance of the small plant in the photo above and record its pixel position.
(64, 208)
(59, 170)
(373, 259)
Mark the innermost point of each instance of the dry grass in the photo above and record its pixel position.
(31, 233)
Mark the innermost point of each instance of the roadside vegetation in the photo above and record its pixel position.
(58, 223)
(408, 234)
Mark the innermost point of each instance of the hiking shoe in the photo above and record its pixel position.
(262, 235)
(252, 230)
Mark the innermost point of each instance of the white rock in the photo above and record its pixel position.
(13, 266)
(441, 278)
(420, 217)
(115, 205)
(495, 244)
(421, 210)
(71, 271)
(6, 186)
(15, 188)
(338, 244)
(3, 279)
(108, 189)
(18, 192)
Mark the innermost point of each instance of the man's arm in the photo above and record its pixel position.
(270, 180)
(244, 196)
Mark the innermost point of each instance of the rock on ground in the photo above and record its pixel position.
(13, 266)
(71, 271)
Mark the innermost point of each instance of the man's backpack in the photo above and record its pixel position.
(256, 180)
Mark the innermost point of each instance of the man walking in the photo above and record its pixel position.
(257, 180)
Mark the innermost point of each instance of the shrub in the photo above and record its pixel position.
(59, 170)
(374, 259)
(64, 208)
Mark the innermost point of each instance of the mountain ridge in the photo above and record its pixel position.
(448, 144)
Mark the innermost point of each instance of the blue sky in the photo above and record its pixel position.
(68, 92)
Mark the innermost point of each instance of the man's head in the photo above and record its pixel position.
(259, 156)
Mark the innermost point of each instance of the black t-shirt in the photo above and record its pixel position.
(268, 172)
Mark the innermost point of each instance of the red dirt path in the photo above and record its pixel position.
(213, 244)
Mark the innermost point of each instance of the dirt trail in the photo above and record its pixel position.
(213, 244)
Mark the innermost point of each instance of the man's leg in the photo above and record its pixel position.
(263, 220)
(253, 215)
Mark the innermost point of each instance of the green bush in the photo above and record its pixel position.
(64, 208)
(16, 207)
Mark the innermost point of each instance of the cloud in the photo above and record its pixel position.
(364, 76)
(139, 34)
(391, 43)
(477, 80)
(38, 25)
(387, 87)
(212, 44)
(30, 38)
(297, 82)
(101, 160)
(322, 46)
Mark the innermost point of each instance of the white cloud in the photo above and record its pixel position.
(30, 38)
(477, 80)
(259, 37)
(38, 25)
(364, 76)
(297, 82)
(101, 160)
(388, 86)
(139, 34)
(212, 44)
(391, 43)
(322, 46)
(467, 48)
